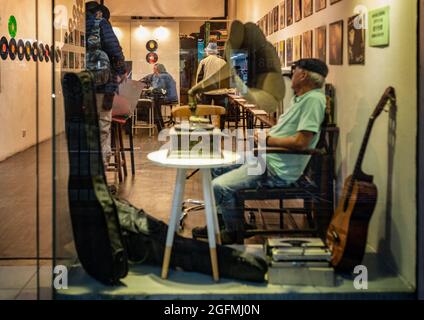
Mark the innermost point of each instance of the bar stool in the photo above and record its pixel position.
(138, 124)
(170, 105)
(118, 146)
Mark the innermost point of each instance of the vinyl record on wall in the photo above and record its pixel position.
(152, 58)
(4, 48)
(34, 51)
(58, 55)
(28, 50)
(47, 53)
(13, 49)
(151, 45)
(51, 53)
(21, 49)
(41, 52)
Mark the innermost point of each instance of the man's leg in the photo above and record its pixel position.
(225, 189)
(105, 121)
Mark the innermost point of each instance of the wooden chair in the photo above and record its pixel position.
(315, 188)
(183, 112)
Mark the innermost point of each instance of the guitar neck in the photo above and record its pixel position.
(358, 166)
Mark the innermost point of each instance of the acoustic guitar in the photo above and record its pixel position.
(348, 230)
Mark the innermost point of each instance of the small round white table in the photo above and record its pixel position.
(205, 165)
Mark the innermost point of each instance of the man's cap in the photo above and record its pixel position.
(212, 48)
(313, 65)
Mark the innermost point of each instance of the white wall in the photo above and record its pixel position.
(18, 80)
(134, 44)
(358, 88)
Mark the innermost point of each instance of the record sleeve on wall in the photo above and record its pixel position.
(356, 41)
(336, 43)
(307, 44)
(276, 14)
(270, 23)
(297, 10)
(321, 43)
(282, 51)
(297, 48)
(289, 51)
(283, 14)
(289, 12)
(320, 5)
(308, 8)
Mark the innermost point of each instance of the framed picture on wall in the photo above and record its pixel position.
(71, 38)
(320, 5)
(289, 12)
(355, 41)
(77, 61)
(282, 49)
(336, 43)
(297, 48)
(270, 23)
(307, 44)
(308, 8)
(65, 60)
(266, 25)
(276, 14)
(82, 37)
(321, 43)
(71, 60)
(82, 61)
(297, 10)
(283, 14)
(289, 51)
(77, 37)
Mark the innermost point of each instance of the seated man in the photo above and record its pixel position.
(160, 80)
(297, 129)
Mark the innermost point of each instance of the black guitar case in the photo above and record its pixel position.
(97, 233)
(107, 231)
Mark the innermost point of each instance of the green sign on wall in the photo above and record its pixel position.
(379, 27)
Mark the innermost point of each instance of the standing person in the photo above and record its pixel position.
(207, 67)
(106, 60)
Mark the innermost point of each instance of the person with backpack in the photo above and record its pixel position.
(105, 59)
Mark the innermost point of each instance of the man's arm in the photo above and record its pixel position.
(300, 141)
(110, 44)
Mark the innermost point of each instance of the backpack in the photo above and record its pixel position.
(97, 61)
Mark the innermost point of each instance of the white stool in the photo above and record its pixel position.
(137, 124)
